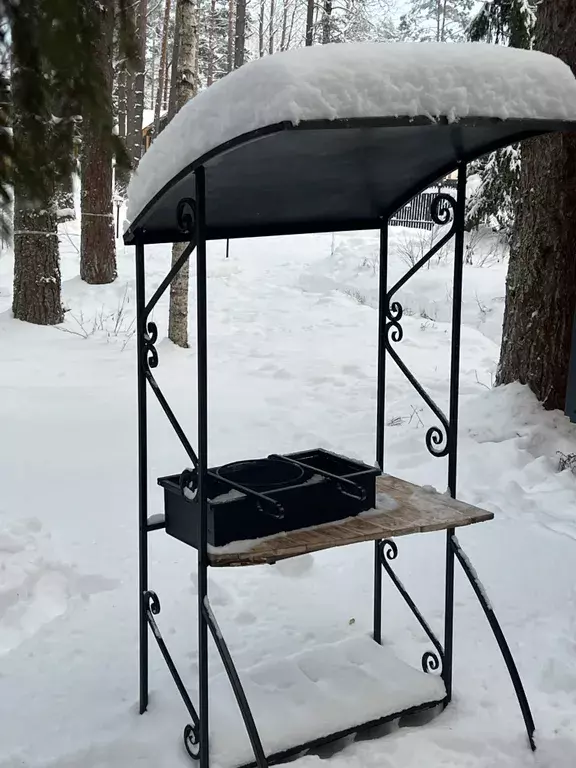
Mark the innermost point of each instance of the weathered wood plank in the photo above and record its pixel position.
(416, 510)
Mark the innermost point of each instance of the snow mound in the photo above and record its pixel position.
(358, 80)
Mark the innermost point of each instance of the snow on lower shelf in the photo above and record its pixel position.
(312, 694)
(357, 80)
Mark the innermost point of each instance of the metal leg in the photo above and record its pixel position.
(500, 639)
(202, 462)
(142, 478)
(460, 215)
(380, 415)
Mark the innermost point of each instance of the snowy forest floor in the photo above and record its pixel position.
(292, 344)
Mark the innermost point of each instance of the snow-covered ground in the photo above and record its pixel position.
(292, 366)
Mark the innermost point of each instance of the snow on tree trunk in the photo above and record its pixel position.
(185, 88)
(284, 34)
(162, 68)
(240, 34)
(97, 244)
(541, 284)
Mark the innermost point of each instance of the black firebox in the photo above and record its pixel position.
(262, 497)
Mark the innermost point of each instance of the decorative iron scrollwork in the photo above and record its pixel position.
(431, 662)
(442, 212)
(192, 741)
(153, 602)
(185, 215)
(150, 337)
(443, 209)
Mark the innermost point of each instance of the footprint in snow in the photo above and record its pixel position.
(34, 590)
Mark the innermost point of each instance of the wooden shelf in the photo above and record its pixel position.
(418, 510)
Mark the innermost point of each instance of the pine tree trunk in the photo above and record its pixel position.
(310, 22)
(541, 283)
(231, 28)
(162, 69)
(284, 25)
(271, 31)
(211, 54)
(240, 34)
(261, 47)
(173, 99)
(97, 244)
(185, 87)
(37, 284)
(135, 88)
(326, 22)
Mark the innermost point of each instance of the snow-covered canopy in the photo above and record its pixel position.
(471, 85)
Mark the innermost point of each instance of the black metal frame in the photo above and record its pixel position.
(440, 441)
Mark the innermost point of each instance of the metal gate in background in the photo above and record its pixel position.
(416, 213)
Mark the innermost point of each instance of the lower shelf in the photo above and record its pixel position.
(315, 697)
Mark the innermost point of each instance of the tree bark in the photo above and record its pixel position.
(97, 244)
(185, 87)
(541, 283)
(135, 87)
(211, 54)
(37, 284)
(271, 30)
(327, 22)
(261, 47)
(309, 22)
(284, 33)
(231, 28)
(162, 69)
(240, 34)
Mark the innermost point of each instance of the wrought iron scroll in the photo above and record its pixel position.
(443, 212)
(185, 216)
(153, 609)
(431, 662)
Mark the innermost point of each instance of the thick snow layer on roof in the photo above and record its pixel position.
(358, 80)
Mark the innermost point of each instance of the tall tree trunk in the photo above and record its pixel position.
(271, 30)
(231, 28)
(289, 38)
(136, 88)
(211, 54)
(310, 22)
(261, 46)
(37, 284)
(173, 99)
(122, 76)
(97, 245)
(541, 283)
(185, 87)
(284, 33)
(162, 69)
(327, 22)
(240, 34)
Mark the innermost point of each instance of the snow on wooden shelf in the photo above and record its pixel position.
(416, 510)
(326, 690)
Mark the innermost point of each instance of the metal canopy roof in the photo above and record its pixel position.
(324, 176)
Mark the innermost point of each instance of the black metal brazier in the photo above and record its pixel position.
(251, 499)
